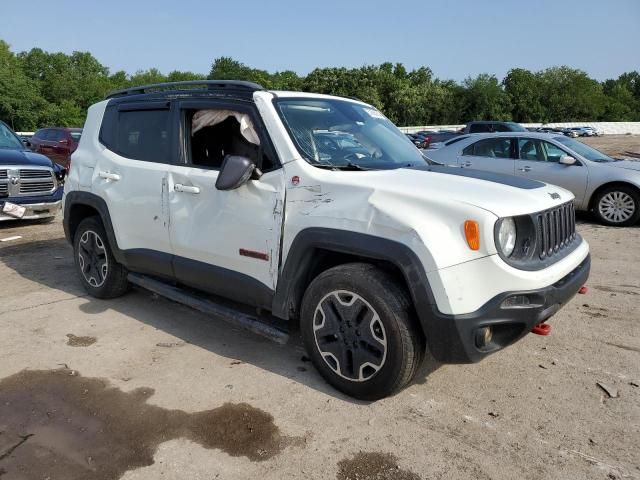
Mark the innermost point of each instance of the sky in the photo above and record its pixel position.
(456, 39)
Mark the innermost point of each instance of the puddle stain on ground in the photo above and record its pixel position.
(58, 424)
(373, 466)
(80, 341)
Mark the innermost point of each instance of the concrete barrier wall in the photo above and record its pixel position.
(609, 128)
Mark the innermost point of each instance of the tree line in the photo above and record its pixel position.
(39, 88)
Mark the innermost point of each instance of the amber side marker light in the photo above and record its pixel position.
(472, 233)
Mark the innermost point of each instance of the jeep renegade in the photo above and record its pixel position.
(317, 210)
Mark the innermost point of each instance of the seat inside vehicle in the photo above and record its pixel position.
(218, 133)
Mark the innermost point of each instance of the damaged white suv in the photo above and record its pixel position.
(318, 212)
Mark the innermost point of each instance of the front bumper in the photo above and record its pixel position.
(452, 338)
(41, 206)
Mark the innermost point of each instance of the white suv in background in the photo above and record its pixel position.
(318, 211)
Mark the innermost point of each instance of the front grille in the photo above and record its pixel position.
(37, 187)
(556, 229)
(27, 174)
(3, 175)
(4, 189)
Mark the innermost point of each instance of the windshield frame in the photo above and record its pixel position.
(568, 143)
(20, 146)
(349, 166)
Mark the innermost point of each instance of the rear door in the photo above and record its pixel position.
(493, 154)
(131, 176)
(540, 160)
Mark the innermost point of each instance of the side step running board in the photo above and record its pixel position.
(264, 326)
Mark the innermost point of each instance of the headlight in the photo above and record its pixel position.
(507, 236)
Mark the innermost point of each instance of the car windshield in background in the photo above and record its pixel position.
(344, 134)
(584, 150)
(8, 139)
(516, 127)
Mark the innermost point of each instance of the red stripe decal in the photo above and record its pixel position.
(252, 254)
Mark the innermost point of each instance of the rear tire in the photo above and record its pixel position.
(617, 206)
(100, 274)
(359, 330)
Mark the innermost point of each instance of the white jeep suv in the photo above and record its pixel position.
(317, 211)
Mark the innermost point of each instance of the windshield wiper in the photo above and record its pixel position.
(346, 166)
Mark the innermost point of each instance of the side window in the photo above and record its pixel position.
(530, 149)
(216, 133)
(39, 135)
(144, 135)
(490, 147)
(500, 127)
(552, 152)
(479, 128)
(538, 150)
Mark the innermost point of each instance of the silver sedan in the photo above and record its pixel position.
(608, 187)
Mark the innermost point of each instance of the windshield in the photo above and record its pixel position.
(339, 133)
(584, 150)
(8, 139)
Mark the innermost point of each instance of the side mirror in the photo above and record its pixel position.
(236, 170)
(567, 160)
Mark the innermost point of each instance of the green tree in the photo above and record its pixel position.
(484, 99)
(523, 89)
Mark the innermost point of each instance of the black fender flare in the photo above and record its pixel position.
(301, 255)
(98, 204)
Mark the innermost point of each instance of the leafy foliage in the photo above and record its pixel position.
(39, 89)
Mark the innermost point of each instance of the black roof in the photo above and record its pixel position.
(218, 85)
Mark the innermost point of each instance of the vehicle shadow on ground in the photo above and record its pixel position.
(50, 263)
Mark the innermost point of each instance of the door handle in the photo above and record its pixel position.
(178, 187)
(109, 176)
(525, 169)
(467, 164)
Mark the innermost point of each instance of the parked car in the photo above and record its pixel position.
(486, 126)
(220, 189)
(439, 136)
(609, 188)
(30, 183)
(56, 143)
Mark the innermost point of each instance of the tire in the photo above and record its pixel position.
(617, 206)
(100, 274)
(371, 363)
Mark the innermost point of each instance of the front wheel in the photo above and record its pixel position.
(618, 206)
(359, 330)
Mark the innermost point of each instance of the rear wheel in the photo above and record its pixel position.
(617, 206)
(359, 330)
(98, 270)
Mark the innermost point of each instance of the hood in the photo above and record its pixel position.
(23, 157)
(626, 164)
(502, 195)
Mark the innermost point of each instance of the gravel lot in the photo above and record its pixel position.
(142, 388)
(616, 145)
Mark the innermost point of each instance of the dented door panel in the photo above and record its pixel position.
(237, 230)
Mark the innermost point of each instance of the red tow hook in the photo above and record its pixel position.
(541, 329)
(583, 290)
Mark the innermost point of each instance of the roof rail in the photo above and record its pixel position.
(210, 84)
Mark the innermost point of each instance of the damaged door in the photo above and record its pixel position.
(225, 242)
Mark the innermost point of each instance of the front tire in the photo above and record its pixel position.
(359, 330)
(617, 206)
(100, 274)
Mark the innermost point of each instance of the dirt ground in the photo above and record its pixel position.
(142, 388)
(617, 146)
